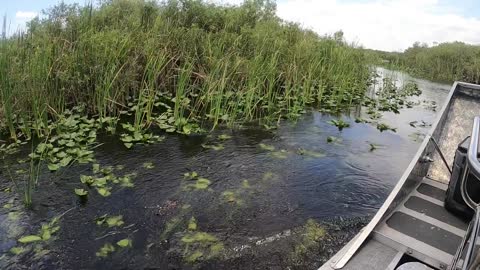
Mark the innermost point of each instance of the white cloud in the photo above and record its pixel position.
(20, 21)
(390, 25)
(25, 15)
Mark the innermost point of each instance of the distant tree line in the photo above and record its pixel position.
(446, 62)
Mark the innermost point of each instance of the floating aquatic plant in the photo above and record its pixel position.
(374, 146)
(201, 183)
(81, 192)
(224, 137)
(45, 234)
(334, 140)
(361, 120)
(340, 124)
(136, 136)
(124, 243)
(105, 250)
(148, 165)
(74, 140)
(310, 153)
(110, 221)
(104, 178)
(217, 147)
(190, 175)
(383, 127)
(266, 147)
(281, 154)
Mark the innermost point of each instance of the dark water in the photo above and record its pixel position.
(260, 221)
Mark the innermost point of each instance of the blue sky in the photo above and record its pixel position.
(380, 24)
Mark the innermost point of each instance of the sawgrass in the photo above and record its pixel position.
(212, 64)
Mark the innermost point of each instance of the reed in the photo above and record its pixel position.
(212, 64)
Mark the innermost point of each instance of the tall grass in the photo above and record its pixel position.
(213, 64)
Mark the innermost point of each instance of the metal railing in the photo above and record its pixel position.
(471, 260)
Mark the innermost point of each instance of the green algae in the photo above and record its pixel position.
(311, 235)
(192, 224)
(200, 245)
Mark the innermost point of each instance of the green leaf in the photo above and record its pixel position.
(96, 168)
(105, 192)
(127, 139)
(70, 144)
(124, 243)
(61, 154)
(53, 167)
(81, 192)
(128, 145)
(187, 129)
(115, 221)
(29, 239)
(86, 179)
(46, 234)
(65, 161)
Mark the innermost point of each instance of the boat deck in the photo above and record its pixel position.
(421, 226)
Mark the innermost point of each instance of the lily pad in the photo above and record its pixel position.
(124, 243)
(81, 192)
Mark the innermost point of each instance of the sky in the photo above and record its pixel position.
(390, 25)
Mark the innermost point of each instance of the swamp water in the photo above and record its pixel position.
(246, 199)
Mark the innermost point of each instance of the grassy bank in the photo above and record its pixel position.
(446, 62)
(180, 65)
